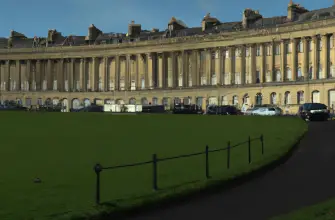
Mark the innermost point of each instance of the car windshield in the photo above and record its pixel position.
(315, 106)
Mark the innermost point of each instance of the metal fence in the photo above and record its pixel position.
(98, 168)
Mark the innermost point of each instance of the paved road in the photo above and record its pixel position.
(303, 180)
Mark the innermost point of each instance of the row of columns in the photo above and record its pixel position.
(231, 65)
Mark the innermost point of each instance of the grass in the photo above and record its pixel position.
(61, 149)
(321, 211)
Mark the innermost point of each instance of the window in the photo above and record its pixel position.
(300, 97)
(237, 52)
(288, 74)
(258, 51)
(310, 45)
(227, 53)
(331, 41)
(247, 52)
(268, 50)
(300, 47)
(287, 98)
(288, 48)
(319, 44)
(273, 98)
(277, 51)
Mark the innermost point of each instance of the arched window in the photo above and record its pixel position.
(213, 101)
(165, 101)
(278, 75)
(235, 100)
(287, 98)
(273, 98)
(199, 101)
(316, 96)
(246, 99)
(144, 101)
(259, 98)
(288, 74)
(224, 100)
(155, 101)
(300, 97)
(187, 100)
(132, 101)
(177, 101)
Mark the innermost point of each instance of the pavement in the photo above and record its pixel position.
(304, 179)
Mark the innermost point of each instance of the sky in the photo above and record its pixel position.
(75, 16)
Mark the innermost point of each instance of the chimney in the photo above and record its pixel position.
(93, 33)
(294, 11)
(134, 30)
(209, 22)
(249, 17)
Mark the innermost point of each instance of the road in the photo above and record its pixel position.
(303, 180)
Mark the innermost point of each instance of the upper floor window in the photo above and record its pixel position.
(331, 41)
(300, 47)
(310, 45)
(268, 50)
(237, 52)
(277, 51)
(288, 47)
(319, 44)
(247, 53)
(258, 51)
(227, 53)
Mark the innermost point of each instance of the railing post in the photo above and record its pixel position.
(228, 155)
(154, 174)
(249, 149)
(262, 142)
(97, 169)
(207, 162)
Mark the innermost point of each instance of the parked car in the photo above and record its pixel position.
(267, 111)
(313, 111)
(223, 110)
(187, 109)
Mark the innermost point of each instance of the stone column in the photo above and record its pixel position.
(71, 76)
(242, 65)
(294, 58)
(148, 79)
(252, 63)
(49, 75)
(127, 73)
(305, 63)
(197, 68)
(185, 68)
(94, 75)
(283, 60)
(28, 70)
(263, 64)
(218, 67)
(38, 77)
(82, 78)
(60, 78)
(117, 73)
(140, 71)
(315, 56)
(273, 60)
(160, 69)
(208, 66)
(7, 75)
(231, 65)
(324, 56)
(18, 75)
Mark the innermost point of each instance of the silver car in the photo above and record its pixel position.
(267, 111)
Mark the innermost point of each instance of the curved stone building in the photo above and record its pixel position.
(283, 60)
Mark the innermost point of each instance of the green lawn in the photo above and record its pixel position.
(321, 211)
(61, 149)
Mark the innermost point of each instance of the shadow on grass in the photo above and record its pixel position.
(155, 202)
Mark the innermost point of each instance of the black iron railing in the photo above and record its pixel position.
(98, 168)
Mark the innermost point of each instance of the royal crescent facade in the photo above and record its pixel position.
(284, 60)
